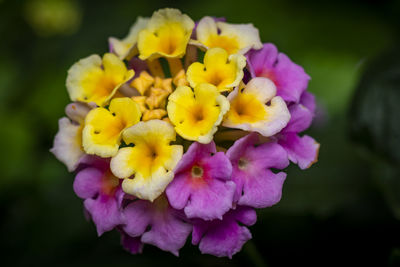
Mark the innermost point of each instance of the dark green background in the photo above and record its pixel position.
(343, 211)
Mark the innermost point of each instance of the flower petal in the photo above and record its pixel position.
(219, 69)
(67, 145)
(224, 238)
(93, 79)
(234, 38)
(123, 47)
(166, 34)
(301, 150)
(197, 114)
(249, 112)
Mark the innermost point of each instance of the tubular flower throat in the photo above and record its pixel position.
(183, 128)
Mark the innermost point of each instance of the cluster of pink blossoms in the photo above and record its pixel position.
(176, 131)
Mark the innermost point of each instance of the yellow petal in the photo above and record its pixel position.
(166, 34)
(103, 128)
(196, 115)
(122, 47)
(151, 160)
(219, 69)
(93, 79)
(234, 38)
(249, 110)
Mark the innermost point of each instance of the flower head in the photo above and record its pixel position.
(168, 142)
(95, 79)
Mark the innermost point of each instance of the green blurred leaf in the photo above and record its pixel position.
(375, 109)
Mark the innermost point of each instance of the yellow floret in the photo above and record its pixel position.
(166, 34)
(150, 161)
(196, 114)
(93, 79)
(103, 128)
(249, 110)
(219, 69)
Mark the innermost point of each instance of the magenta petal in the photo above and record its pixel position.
(290, 78)
(267, 155)
(262, 189)
(301, 150)
(208, 194)
(137, 217)
(256, 185)
(301, 118)
(212, 202)
(236, 151)
(308, 100)
(178, 191)
(168, 232)
(87, 183)
(218, 166)
(132, 244)
(224, 238)
(195, 152)
(261, 61)
(104, 212)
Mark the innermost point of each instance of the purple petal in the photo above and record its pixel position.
(256, 185)
(178, 191)
(224, 237)
(195, 152)
(267, 155)
(138, 215)
(105, 213)
(262, 188)
(168, 232)
(308, 100)
(290, 79)
(236, 151)
(301, 150)
(218, 166)
(88, 183)
(209, 196)
(301, 118)
(132, 244)
(260, 62)
(211, 201)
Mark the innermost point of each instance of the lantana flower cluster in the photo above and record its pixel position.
(184, 128)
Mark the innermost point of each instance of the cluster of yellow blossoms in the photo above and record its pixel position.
(133, 118)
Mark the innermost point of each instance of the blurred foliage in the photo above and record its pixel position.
(51, 17)
(344, 210)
